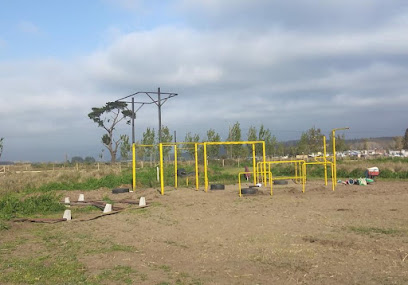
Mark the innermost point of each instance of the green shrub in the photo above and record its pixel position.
(12, 206)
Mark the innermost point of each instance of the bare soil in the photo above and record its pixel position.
(354, 235)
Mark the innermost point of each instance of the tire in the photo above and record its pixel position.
(217, 187)
(253, 186)
(181, 172)
(249, 191)
(120, 190)
(280, 182)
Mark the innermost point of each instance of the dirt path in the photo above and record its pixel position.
(355, 235)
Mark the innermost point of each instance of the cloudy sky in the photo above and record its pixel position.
(289, 65)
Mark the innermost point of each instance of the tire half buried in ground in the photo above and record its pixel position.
(280, 182)
(217, 187)
(249, 191)
(120, 190)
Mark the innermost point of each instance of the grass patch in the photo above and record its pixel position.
(42, 270)
(108, 200)
(112, 248)
(13, 206)
(373, 230)
(120, 274)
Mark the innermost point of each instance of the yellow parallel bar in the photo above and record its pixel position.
(334, 156)
(161, 169)
(205, 168)
(175, 166)
(254, 162)
(325, 162)
(196, 164)
(240, 185)
(264, 159)
(134, 166)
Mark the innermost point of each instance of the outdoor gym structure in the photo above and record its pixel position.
(196, 144)
(261, 170)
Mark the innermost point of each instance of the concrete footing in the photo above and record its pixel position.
(142, 202)
(108, 208)
(67, 215)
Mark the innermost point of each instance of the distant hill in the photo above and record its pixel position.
(378, 143)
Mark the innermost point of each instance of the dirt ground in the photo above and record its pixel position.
(354, 235)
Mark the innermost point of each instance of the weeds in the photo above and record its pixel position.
(373, 230)
(12, 206)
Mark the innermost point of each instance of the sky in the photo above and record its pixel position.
(289, 65)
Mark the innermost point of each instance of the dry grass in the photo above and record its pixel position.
(13, 181)
(395, 166)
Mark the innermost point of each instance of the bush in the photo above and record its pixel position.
(11, 206)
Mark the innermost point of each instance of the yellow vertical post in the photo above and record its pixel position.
(296, 172)
(254, 162)
(325, 162)
(264, 160)
(304, 176)
(270, 179)
(334, 156)
(175, 166)
(196, 164)
(161, 169)
(134, 166)
(205, 168)
(332, 171)
(239, 184)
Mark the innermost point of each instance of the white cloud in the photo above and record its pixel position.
(28, 27)
(282, 77)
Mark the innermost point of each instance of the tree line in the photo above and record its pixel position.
(311, 141)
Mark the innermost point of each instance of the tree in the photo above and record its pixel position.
(341, 144)
(406, 140)
(235, 151)
(280, 149)
(398, 143)
(270, 142)
(125, 147)
(213, 150)
(1, 146)
(89, 159)
(252, 136)
(310, 141)
(77, 159)
(166, 137)
(148, 139)
(191, 139)
(108, 117)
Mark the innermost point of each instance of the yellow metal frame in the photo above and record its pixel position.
(161, 164)
(134, 162)
(232, 143)
(240, 185)
(176, 163)
(266, 166)
(334, 152)
(323, 163)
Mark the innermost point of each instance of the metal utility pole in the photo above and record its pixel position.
(159, 104)
(133, 120)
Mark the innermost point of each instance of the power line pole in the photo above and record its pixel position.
(159, 104)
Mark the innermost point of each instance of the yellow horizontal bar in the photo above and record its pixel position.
(240, 142)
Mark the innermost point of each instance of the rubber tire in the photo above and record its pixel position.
(217, 187)
(249, 191)
(181, 172)
(253, 186)
(280, 182)
(120, 190)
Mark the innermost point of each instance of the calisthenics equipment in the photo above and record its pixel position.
(300, 174)
(253, 143)
(239, 181)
